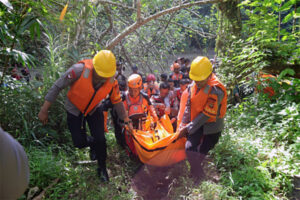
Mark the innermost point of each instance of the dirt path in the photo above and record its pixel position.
(163, 183)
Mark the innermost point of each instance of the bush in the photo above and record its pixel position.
(19, 107)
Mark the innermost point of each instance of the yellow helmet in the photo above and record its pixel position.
(201, 68)
(135, 81)
(105, 63)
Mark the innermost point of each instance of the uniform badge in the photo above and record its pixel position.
(211, 102)
(135, 108)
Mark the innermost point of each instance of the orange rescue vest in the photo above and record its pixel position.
(135, 108)
(176, 77)
(204, 101)
(82, 93)
(149, 91)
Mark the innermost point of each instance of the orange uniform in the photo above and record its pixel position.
(151, 91)
(203, 101)
(139, 106)
(83, 95)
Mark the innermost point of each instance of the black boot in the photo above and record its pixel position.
(90, 142)
(196, 173)
(93, 154)
(103, 175)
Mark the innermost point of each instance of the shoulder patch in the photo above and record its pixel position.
(206, 89)
(86, 73)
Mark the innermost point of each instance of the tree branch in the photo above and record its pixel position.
(107, 10)
(115, 4)
(138, 13)
(164, 30)
(203, 34)
(136, 25)
(194, 13)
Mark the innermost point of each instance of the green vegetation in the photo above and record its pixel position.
(257, 156)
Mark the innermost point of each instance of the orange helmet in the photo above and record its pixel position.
(135, 81)
(176, 66)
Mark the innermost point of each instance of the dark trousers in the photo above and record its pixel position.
(118, 129)
(206, 142)
(197, 146)
(80, 139)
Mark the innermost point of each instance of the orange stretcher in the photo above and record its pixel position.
(157, 146)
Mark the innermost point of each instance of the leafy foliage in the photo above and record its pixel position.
(258, 153)
(266, 41)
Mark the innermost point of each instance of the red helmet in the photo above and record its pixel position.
(150, 77)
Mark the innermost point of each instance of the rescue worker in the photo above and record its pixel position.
(174, 103)
(90, 81)
(171, 84)
(163, 77)
(180, 61)
(135, 70)
(122, 81)
(202, 109)
(185, 68)
(120, 76)
(151, 87)
(161, 102)
(114, 115)
(136, 102)
(176, 75)
(183, 85)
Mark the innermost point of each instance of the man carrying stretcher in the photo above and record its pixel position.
(201, 114)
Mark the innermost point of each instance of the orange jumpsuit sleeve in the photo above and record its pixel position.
(115, 95)
(183, 101)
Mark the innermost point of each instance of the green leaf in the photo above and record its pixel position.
(284, 38)
(287, 18)
(286, 6)
(7, 4)
(285, 72)
(278, 1)
(26, 24)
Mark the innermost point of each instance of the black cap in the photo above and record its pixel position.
(134, 67)
(163, 75)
